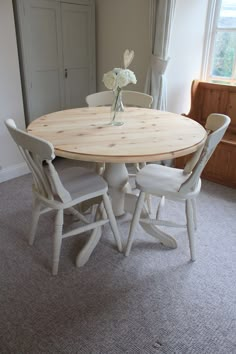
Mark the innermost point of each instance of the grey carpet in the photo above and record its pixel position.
(155, 301)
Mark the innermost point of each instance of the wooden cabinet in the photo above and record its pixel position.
(57, 53)
(209, 98)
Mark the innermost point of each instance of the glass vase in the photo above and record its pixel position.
(117, 109)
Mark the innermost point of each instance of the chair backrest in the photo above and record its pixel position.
(38, 154)
(104, 98)
(137, 99)
(216, 126)
(129, 98)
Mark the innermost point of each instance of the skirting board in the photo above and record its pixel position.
(13, 171)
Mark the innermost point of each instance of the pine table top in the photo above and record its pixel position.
(146, 135)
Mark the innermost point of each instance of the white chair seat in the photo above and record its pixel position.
(80, 182)
(162, 180)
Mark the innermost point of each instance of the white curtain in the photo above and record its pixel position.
(163, 13)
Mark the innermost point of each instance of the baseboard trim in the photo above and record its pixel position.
(13, 171)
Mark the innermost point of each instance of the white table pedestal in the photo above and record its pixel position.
(123, 201)
(117, 177)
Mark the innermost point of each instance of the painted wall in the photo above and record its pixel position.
(11, 104)
(122, 25)
(125, 24)
(186, 50)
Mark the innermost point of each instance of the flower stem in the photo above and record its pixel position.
(116, 101)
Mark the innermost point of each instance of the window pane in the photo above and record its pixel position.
(224, 54)
(227, 17)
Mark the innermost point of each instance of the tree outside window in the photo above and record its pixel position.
(221, 66)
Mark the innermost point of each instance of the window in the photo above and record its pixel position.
(220, 55)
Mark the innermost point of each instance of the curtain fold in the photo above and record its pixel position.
(156, 79)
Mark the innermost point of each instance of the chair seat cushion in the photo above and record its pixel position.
(160, 180)
(81, 182)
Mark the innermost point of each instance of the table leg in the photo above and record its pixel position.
(94, 238)
(153, 230)
(123, 201)
(117, 177)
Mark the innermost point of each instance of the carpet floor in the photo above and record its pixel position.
(153, 302)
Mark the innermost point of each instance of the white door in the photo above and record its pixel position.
(45, 89)
(58, 54)
(77, 53)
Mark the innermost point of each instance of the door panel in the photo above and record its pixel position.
(44, 34)
(46, 92)
(76, 35)
(75, 91)
(44, 57)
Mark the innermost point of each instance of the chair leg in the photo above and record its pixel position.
(35, 219)
(112, 219)
(160, 207)
(100, 168)
(190, 227)
(141, 165)
(149, 203)
(57, 240)
(135, 220)
(76, 214)
(194, 213)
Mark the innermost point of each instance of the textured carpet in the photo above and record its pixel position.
(155, 301)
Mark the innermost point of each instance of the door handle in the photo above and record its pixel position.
(66, 73)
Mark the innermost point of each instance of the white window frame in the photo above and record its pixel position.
(213, 11)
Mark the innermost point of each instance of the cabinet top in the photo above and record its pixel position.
(79, 2)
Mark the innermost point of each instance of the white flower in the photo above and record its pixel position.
(117, 70)
(118, 77)
(122, 79)
(126, 77)
(132, 77)
(109, 80)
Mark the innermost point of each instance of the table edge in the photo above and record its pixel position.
(129, 159)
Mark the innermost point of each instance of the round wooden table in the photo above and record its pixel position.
(146, 135)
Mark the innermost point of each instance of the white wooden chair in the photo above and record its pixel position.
(177, 184)
(51, 192)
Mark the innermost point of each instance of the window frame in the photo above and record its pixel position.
(213, 12)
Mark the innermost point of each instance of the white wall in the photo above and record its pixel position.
(186, 50)
(122, 25)
(11, 105)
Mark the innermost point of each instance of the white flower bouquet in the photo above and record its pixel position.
(118, 78)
